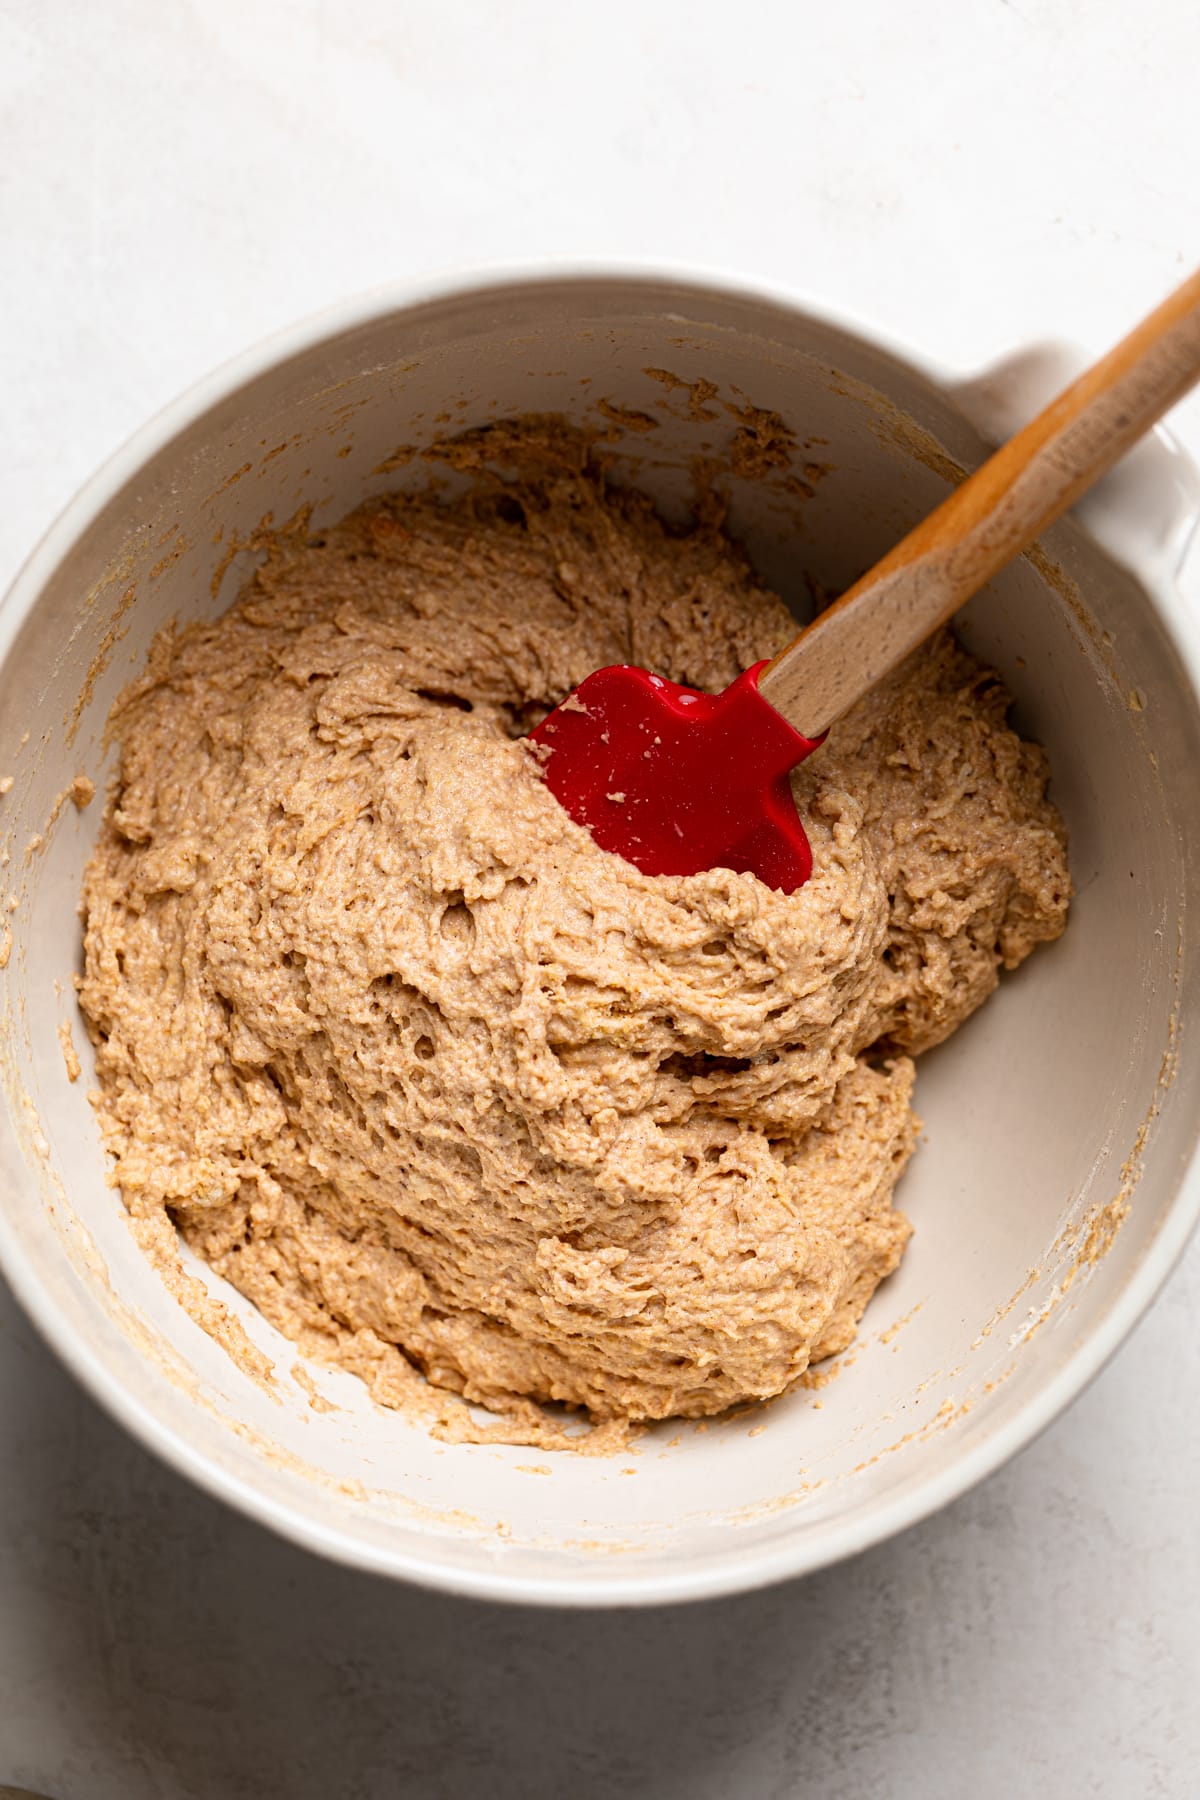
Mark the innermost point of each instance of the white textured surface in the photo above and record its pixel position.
(177, 179)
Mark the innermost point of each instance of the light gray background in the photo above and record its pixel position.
(177, 179)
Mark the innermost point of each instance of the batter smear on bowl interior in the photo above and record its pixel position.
(437, 1083)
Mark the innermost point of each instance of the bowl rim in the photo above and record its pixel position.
(723, 1572)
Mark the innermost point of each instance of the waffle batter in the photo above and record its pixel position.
(438, 1084)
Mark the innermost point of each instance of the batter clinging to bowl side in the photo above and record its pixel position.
(423, 1071)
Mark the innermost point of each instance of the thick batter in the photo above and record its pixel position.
(436, 1082)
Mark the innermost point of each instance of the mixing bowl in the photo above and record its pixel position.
(1052, 1191)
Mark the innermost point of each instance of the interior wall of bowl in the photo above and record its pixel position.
(1039, 1114)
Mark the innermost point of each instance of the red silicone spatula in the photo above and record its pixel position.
(677, 781)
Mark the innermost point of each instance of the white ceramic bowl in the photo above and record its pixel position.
(1074, 1093)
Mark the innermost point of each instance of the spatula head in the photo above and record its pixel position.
(676, 781)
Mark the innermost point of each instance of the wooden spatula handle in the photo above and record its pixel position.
(983, 524)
